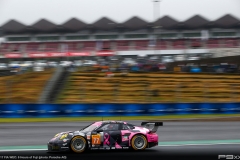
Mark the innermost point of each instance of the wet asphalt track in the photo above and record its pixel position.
(26, 134)
(178, 152)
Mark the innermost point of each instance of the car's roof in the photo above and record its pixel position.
(110, 121)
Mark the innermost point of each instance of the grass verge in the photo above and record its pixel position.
(165, 117)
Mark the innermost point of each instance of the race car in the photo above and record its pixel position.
(107, 135)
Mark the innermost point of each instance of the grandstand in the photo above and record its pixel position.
(150, 87)
(23, 88)
(76, 40)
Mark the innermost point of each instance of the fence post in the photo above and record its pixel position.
(178, 92)
(233, 88)
(116, 89)
(82, 90)
(8, 91)
(147, 98)
(206, 92)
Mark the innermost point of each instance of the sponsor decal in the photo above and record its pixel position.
(106, 139)
(55, 147)
(96, 139)
(64, 147)
(94, 148)
(107, 148)
(57, 135)
(95, 145)
(124, 138)
(101, 148)
(125, 147)
(113, 148)
(64, 136)
(65, 140)
(88, 136)
(64, 144)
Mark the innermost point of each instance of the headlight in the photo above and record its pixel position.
(56, 135)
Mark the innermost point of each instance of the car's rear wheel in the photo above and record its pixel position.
(78, 144)
(139, 142)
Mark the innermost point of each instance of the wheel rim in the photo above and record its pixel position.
(78, 144)
(139, 142)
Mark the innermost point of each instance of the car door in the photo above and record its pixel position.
(111, 135)
(125, 135)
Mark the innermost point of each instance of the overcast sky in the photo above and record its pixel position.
(59, 11)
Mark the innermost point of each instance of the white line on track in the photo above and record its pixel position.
(10, 150)
(177, 145)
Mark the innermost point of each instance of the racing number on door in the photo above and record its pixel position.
(96, 139)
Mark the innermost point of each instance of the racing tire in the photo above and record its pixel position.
(139, 142)
(78, 144)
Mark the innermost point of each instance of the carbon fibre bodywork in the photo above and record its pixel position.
(100, 138)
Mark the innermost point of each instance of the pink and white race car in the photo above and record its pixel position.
(107, 135)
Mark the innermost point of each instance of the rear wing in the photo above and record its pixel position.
(152, 126)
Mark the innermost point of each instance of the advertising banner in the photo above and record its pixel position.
(55, 54)
(76, 110)
(38, 55)
(13, 55)
(76, 54)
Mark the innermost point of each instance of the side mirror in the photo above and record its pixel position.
(99, 130)
(132, 127)
(94, 133)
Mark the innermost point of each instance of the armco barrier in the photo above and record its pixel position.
(76, 110)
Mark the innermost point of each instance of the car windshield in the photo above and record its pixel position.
(89, 128)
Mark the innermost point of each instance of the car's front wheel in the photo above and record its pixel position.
(78, 144)
(139, 142)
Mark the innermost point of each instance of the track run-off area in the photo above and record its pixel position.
(184, 139)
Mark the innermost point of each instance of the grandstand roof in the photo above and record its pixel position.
(13, 26)
(104, 24)
(196, 21)
(44, 25)
(166, 22)
(74, 25)
(134, 23)
(227, 21)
